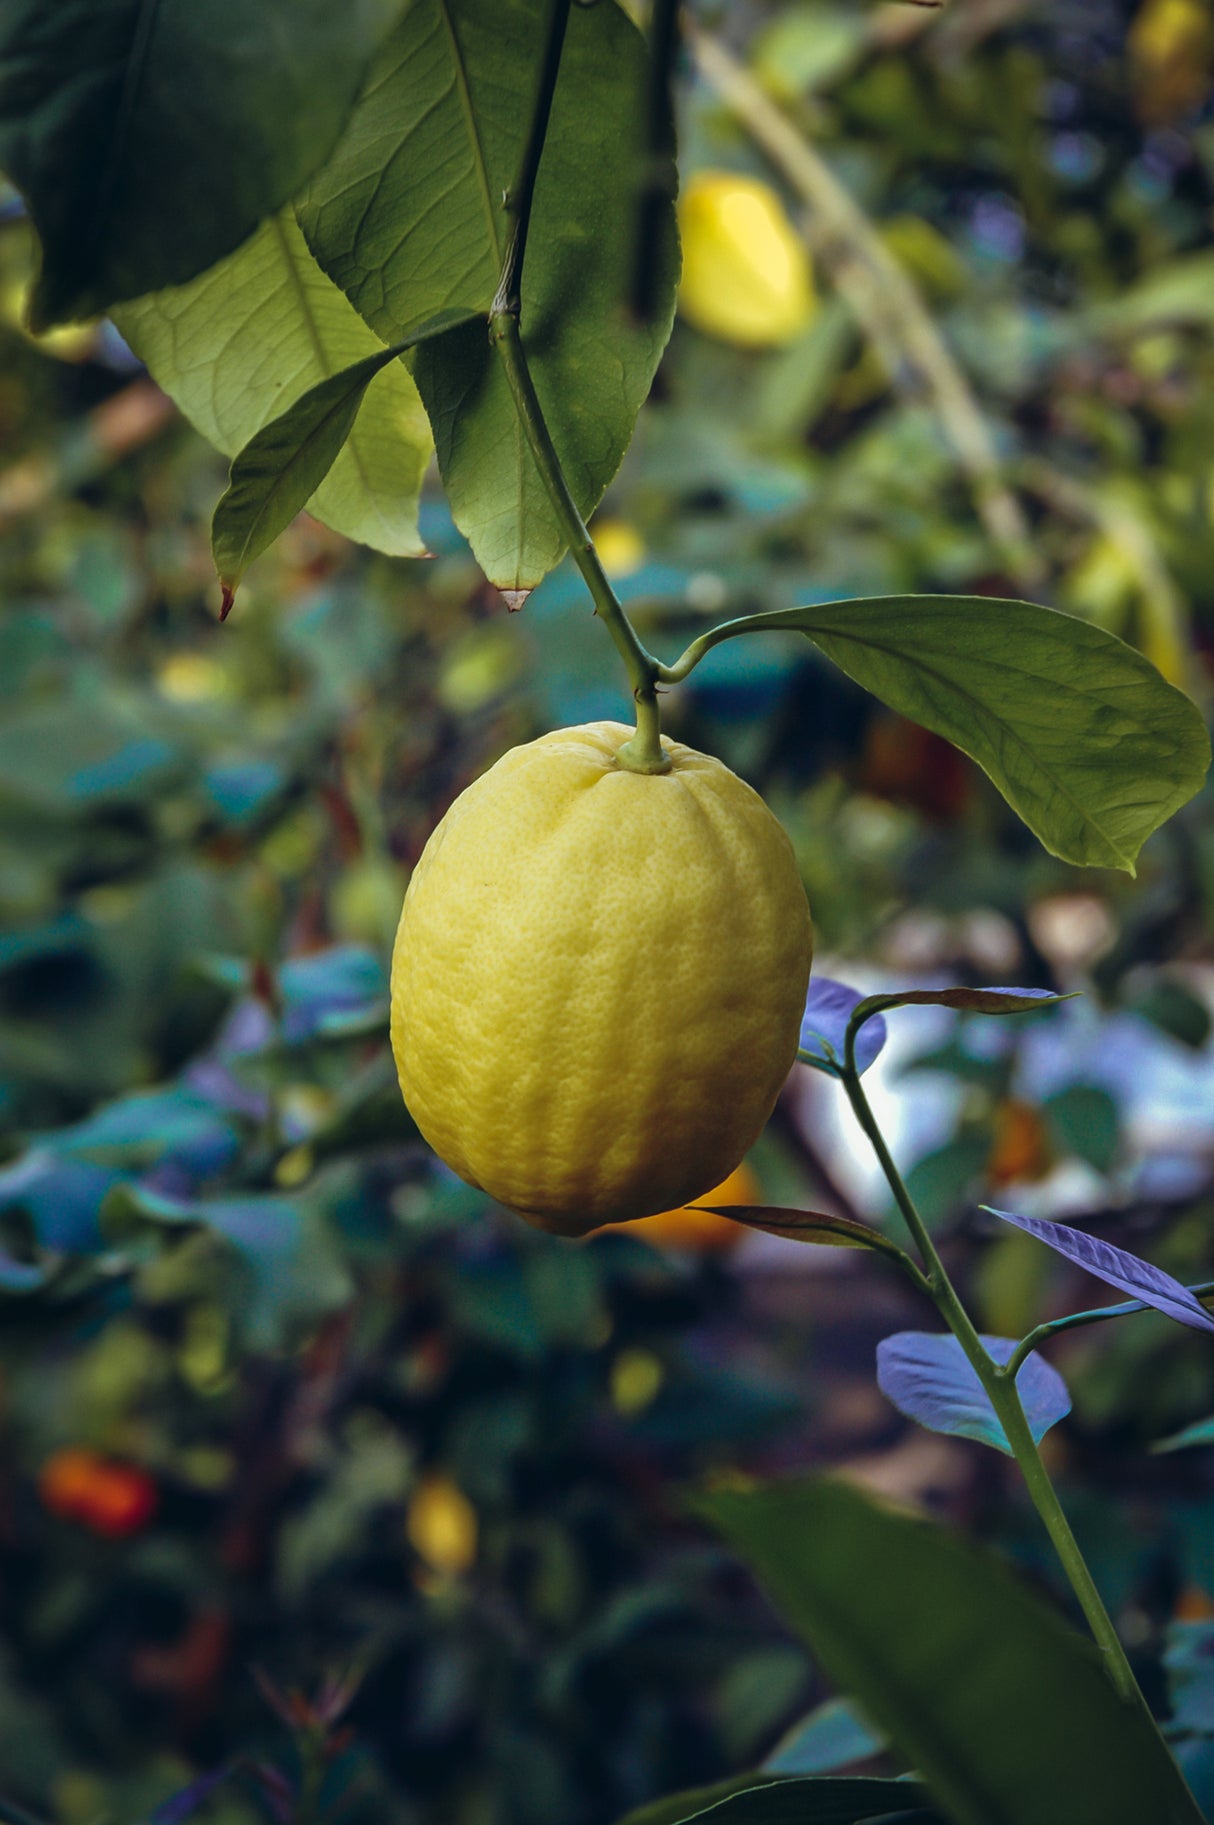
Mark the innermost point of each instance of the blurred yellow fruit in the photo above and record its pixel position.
(441, 1525)
(702, 1232)
(746, 272)
(1171, 51)
(620, 547)
(598, 979)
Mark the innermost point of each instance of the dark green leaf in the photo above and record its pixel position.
(1008, 1715)
(280, 468)
(814, 1800)
(151, 139)
(1080, 733)
(407, 218)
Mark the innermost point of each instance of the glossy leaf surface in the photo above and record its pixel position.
(1007, 1714)
(268, 310)
(927, 1376)
(1080, 733)
(407, 219)
(151, 139)
(1116, 1267)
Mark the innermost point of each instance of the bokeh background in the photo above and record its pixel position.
(328, 1490)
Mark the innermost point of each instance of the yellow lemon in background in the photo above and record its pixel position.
(441, 1525)
(746, 272)
(598, 979)
(1171, 53)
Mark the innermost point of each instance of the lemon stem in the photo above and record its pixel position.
(643, 752)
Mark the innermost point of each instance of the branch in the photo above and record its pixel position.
(884, 299)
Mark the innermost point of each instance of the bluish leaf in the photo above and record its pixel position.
(1201, 1432)
(833, 1735)
(929, 1378)
(183, 1805)
(62, 1196)
(1116, 1267)
(828, 1008)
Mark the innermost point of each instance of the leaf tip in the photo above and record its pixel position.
(227, 599)
(514, 599)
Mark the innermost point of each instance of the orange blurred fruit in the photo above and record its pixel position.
(702, 1232)
(111, 1499)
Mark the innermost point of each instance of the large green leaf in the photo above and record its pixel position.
(236, 346)
(280, 468)
(1080, 733)
(150, 137)
(1007, 1714)
(407, 218)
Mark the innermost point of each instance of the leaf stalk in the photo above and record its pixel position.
(1000, 1387)
(643, 753)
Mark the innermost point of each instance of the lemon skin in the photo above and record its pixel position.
(598, 979)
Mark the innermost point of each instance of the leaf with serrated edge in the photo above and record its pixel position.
(1008, 1715)
(279, 469)
(237, 346)
(1080, 733)
(150, 140)
(929, 1378)
(407, 218)
(1116, 1267)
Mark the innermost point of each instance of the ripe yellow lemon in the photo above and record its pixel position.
(746, 274)
(598, 979)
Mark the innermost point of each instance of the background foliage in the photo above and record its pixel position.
(371, 1429)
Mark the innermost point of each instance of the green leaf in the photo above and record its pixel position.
(1083, 737)
(407, 218)
(807, 1226)
(150, 137)
(752, 1799)
(258, 331)
(1007, 1714)
(279, 469)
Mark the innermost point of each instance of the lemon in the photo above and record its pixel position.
(746, 274)
(598, 979)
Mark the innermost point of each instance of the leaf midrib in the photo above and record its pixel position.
(327, 367)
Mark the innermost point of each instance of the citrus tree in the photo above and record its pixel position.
(346, 244)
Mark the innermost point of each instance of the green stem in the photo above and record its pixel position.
(1000, 1387)
(518, 199)
(643, 753)
(1074, 1320)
